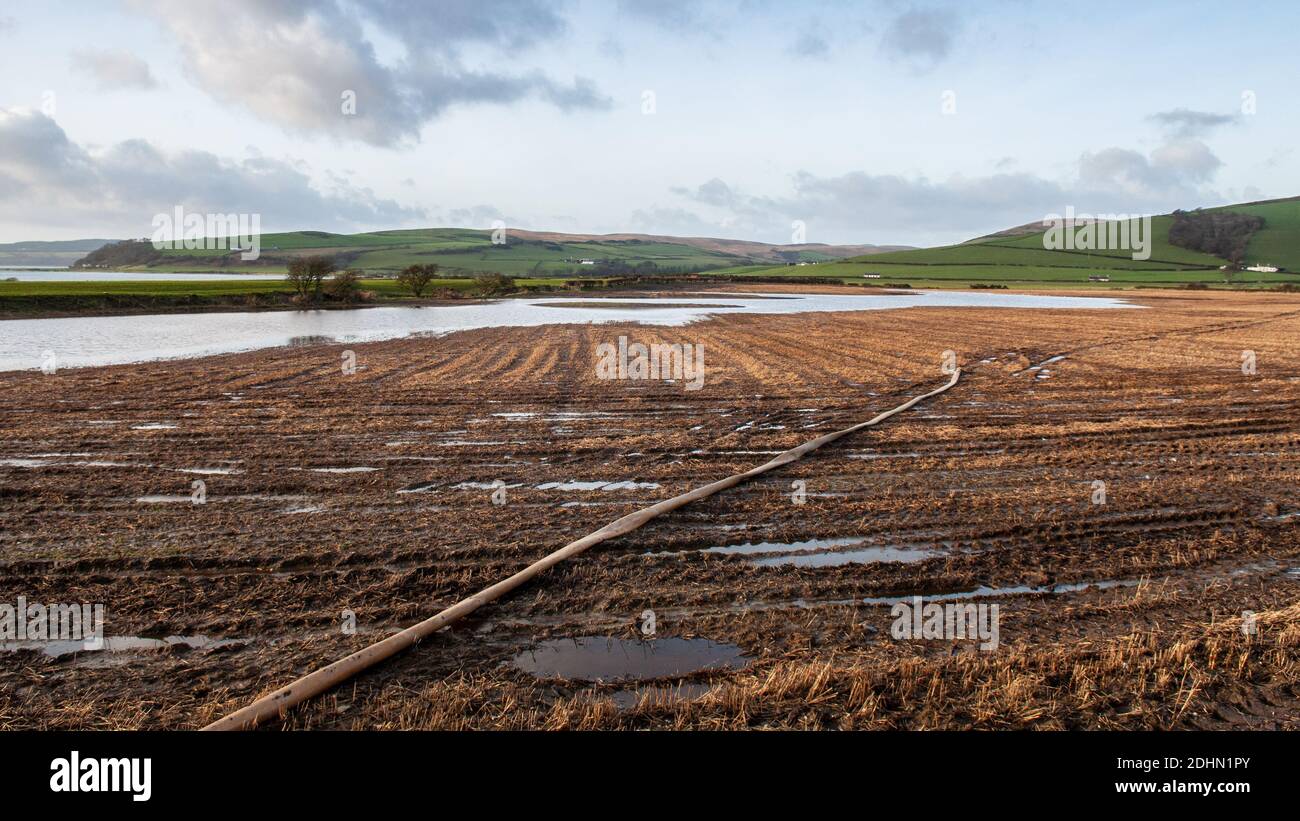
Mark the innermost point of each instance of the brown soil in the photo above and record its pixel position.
(1200, 463)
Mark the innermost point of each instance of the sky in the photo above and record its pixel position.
(880, 121)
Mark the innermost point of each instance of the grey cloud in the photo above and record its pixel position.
(673, 222)
(114, 69)
(46, 181)
(921, 36)
(1184, 122)
(677, 15)
(1171, 170)
(506, 24)
(479, 216)
(889, 208)
(810, 44)
(292, 63)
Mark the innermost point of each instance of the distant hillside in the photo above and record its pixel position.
(56, 254)
(460, 251)
(1018, 255)
(806, 252)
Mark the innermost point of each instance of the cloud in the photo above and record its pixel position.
(678, 222)
(810, 45)
(49, 182)
(114, 69)
(1184, 122)
(890, 208)
(479, 216)
(674, 15)
(921, 36)
(1168, 172)
(311, 67)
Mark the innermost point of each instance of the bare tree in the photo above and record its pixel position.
(344, 286)
(306, 275)
(416, 278)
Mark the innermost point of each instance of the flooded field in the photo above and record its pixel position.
(55, 275)
(1133, 517)
(111, 340)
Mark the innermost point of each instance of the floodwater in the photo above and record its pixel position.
(607, 659)
(822, 553)
(23, 275)
(117, 644)
(110, 340)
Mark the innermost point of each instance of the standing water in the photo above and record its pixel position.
(113, 340)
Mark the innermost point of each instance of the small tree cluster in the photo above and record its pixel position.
(344, 286)
(491, 284)
(306, 274)
(415, 278)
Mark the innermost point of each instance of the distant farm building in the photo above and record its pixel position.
(1098, 278)
(872, 276)
(1263, 269)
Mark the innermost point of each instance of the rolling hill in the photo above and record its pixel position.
(56, 254)
(1018, 256)
(465, 252)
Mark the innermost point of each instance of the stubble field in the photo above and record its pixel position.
(1112, 480)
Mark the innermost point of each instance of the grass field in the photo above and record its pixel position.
(458, 252)
(20, 299)
(1022, 260)
(1017, 260)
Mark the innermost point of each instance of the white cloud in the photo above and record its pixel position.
(114, 69)
(890, 208)
(49, 182)
(291, 64)
(923, 37)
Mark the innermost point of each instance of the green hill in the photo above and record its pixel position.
(1278, 242)
(466, 252)
(1018, 257)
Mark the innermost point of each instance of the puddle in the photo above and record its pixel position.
(419, 487)
(45, 463)
(304, 509)
(870, 555)
(357, 469)
(162, 499)
(749, 548)
(597, 486)
(985, 592)
(210, 471)
(118, 644)
(606, 659)
(818, 552)
(154, 426)
(909, 455)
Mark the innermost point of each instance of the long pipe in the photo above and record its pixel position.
(276, 705)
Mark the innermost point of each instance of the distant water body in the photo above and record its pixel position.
(112, 340)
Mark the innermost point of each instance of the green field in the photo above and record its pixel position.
(1023, 261)
(1278, 242)
(457, 252)
(1019, 260)
(34, 298)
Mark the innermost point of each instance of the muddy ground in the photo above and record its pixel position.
(372, 493)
